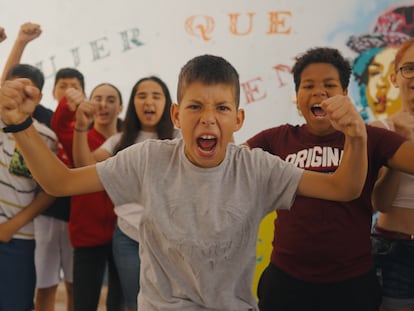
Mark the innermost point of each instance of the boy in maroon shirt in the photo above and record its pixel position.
(321, 258)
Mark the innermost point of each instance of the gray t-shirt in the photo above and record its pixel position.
(129, 215)
(199, 226)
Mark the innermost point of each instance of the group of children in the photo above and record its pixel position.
(78, 234)
(197, 237)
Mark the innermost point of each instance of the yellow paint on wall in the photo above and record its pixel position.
(263, 247)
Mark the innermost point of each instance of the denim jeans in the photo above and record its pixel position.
(17, 274)
(394, 263)
(127, 262)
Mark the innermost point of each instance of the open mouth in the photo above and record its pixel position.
(381, 103)
(207, 143)
(103, 114)
(318, 111)
(149, 112)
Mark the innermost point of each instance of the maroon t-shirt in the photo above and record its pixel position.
(320, 240)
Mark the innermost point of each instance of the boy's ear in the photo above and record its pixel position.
(239, 120)
(175, 115)
(295, 102)
(39, 98)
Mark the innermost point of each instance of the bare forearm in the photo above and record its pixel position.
(13, 58)
(351, 173)
(402, 159)
(54, 177)
(385, 189)
(38, 205)
(345, 183)
(17, 101)
(82, 154)
(44, 166)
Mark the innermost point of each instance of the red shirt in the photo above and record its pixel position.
(92, 218)
(320, 240)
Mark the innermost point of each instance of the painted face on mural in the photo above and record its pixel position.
(319, 81)
(382, 96)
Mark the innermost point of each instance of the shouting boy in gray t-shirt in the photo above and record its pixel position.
(203, 196)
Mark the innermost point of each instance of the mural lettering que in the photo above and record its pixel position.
(94, 51)
(204, 26)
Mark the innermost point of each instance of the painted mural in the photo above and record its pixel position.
(261, 38)
(378, 98)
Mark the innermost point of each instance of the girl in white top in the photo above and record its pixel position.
(147, 117)
(393, 197)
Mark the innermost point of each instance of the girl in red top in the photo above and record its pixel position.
(92, 218)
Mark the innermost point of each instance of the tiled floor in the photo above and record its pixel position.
(61, 299)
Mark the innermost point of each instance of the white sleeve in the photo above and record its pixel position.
(110, 144)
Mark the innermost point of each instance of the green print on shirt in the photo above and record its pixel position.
(18, 166)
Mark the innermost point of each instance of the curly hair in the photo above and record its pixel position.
(323, 55)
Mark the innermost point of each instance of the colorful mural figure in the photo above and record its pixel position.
(378, 98)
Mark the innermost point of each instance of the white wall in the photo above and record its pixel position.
(171, 32)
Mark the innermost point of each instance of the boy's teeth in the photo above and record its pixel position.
(207, 137)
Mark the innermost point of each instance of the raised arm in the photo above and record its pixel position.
(11, 226)
(388, 182)
(27, 33)
(403, 158)
(347, 182)
(85, 113)
(385, 189)
(17, 102)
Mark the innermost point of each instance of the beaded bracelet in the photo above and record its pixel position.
(14, 128)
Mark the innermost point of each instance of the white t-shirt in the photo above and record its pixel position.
(199, 226)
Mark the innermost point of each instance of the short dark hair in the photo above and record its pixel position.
(68, 73)
(208, 69)
(323, 55)
(27, 71)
